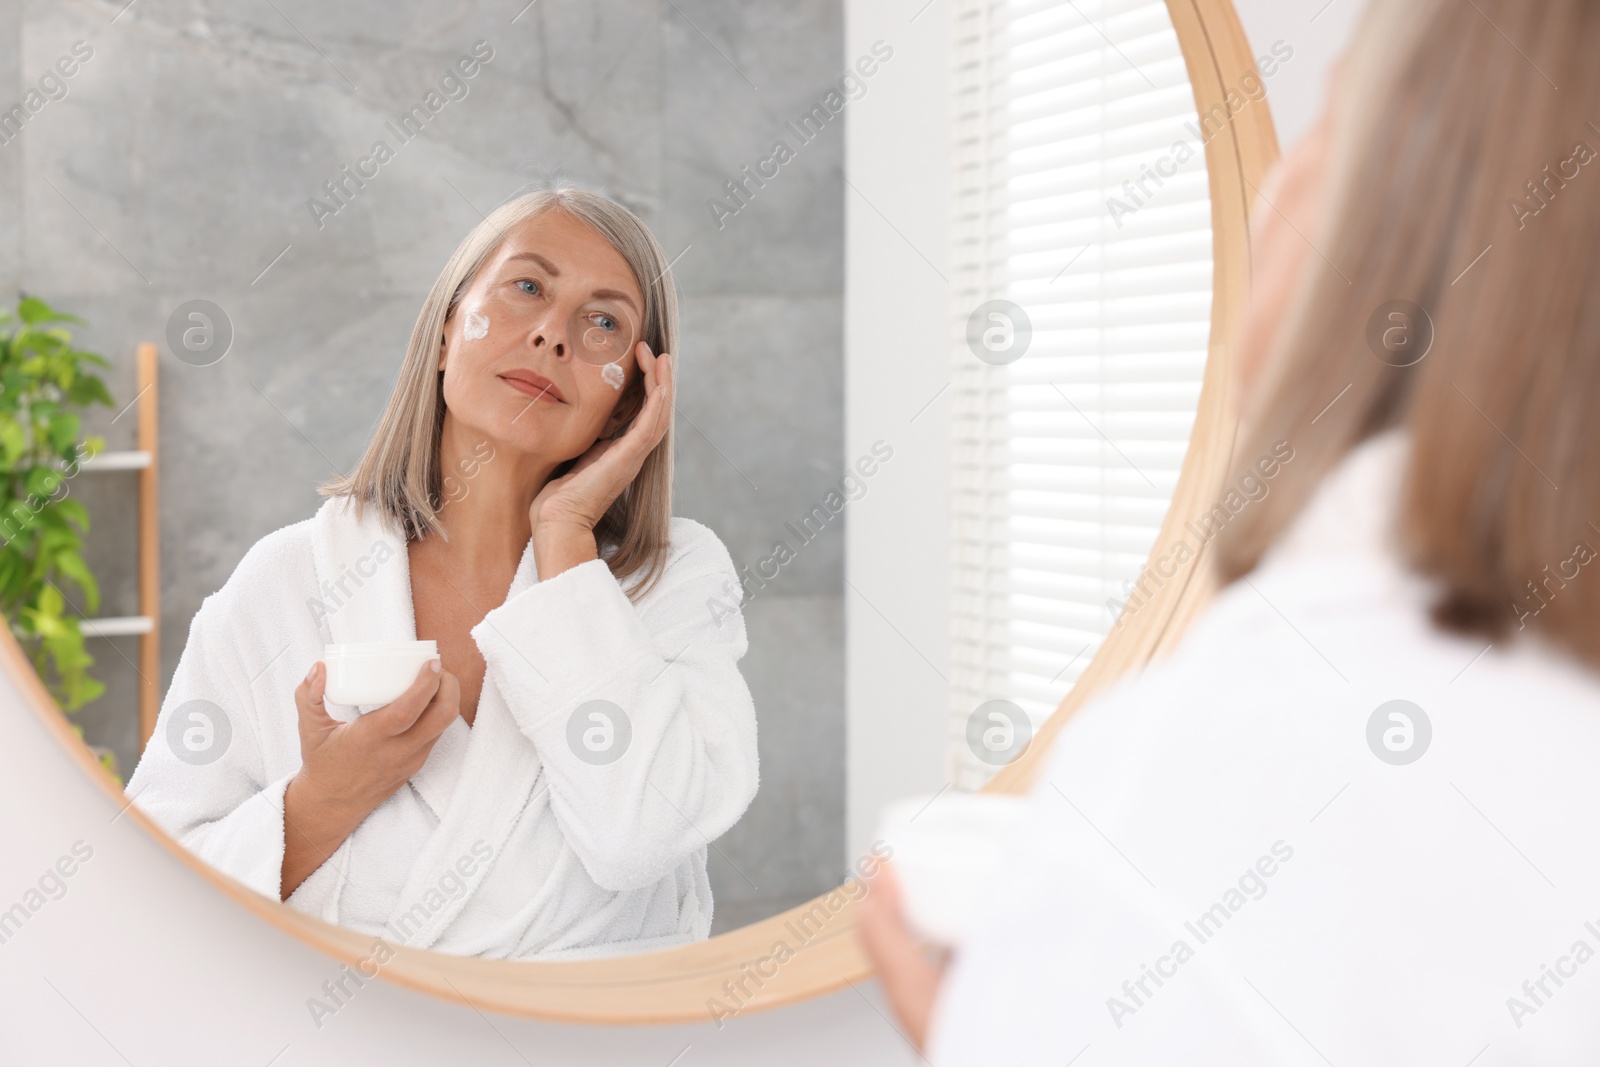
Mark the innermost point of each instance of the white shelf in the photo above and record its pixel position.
(117, 626)
(115, 461)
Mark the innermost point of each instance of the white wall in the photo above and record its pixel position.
(1317, 30)
(141, 962)
(896, 336)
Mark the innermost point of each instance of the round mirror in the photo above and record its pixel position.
(941, 426)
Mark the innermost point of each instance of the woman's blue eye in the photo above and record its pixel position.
(525, 283)
(606, 321)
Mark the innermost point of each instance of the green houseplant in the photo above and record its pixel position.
(43, 378)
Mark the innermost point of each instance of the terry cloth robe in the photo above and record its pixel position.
(515, 839)
(1248, 854)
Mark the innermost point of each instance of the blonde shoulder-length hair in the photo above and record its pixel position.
(400, 475)
(1462, 181)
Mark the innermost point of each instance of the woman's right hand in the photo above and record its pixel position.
(348, 768)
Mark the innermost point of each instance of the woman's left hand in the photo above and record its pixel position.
(910, 978)
(568, 507)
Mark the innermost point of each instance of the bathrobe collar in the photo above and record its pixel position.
(364, 572)
(364, 578)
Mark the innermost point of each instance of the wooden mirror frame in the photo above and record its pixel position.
(681, 984)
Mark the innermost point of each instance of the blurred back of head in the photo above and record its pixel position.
(1460, 127)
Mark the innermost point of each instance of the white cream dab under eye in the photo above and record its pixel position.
(477, 325)
(612, 373)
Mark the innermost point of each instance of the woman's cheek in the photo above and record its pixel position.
(476, 326)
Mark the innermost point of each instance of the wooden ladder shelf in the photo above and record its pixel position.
(147, 624)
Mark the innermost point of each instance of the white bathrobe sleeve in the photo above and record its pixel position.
(670, 664)
(222, 808)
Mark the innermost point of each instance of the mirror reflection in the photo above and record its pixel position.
(480, 580)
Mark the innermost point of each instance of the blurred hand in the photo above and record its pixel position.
(910, 970)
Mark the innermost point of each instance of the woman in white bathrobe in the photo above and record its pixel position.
(552, 791)
(1351, 819)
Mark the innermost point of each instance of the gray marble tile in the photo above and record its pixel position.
(791, 840)
(11, 151)
(732, 76)
(761, 429)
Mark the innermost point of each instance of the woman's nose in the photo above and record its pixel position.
(551, 336)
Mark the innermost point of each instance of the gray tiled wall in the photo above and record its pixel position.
(179, 165)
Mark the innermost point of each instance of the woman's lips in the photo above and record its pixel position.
(535, 385)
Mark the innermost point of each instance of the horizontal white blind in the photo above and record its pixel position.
(1065, 458)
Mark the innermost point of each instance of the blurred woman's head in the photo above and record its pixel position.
(1449, 286)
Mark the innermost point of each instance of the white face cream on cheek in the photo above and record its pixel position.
(612, 373)
(476, 327)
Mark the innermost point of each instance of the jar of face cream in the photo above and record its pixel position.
(945, 847)
(374, 673)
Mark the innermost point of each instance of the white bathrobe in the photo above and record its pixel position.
(506, 843)
(1218, 868)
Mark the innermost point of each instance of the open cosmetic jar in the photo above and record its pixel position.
(945, 849)
(374, 673)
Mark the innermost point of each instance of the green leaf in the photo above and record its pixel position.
(17, 519)
(74, 512)
(13, 440)
(55, 532)
(50, 627)
(50, 601)
(42, 482)
(92, 689)
(33, 310)
(45, 385)
(72, 566)
(38, 342)
(88, 389)
(64, 432)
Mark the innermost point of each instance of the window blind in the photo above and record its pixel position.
(1075, 203)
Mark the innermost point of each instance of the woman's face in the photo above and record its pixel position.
(539, 350)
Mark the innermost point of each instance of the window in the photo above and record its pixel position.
(1081, 198)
